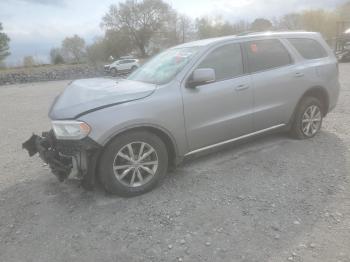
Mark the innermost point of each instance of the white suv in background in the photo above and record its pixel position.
(122, 66)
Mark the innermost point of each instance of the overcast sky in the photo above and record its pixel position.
(35, 26)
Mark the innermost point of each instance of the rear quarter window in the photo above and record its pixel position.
(266, 54)
(308, 48)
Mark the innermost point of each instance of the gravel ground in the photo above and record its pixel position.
(270, 199)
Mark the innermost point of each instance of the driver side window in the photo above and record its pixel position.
(226, 61)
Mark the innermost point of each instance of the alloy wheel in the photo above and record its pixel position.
(311, 120)
(135, 164)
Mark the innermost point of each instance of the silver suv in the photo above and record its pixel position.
(128, 132)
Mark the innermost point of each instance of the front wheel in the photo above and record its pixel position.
(133, 163)
(114, 72)
(308, 118)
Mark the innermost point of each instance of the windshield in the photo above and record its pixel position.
(165, 66)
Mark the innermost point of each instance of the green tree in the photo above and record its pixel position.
(97, 51)
(73, 49)
(4, 44)
(261, 24)
(113, 44)
(56, 56)
(140, 19)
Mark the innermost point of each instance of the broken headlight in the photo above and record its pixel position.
(70, 130)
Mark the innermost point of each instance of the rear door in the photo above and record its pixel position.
(221, 110)
(275, 79)
(317, 59)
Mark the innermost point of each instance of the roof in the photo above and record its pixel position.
(209, 41)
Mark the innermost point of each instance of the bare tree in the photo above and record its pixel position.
(320, 21)
(344, 11)
(291, 21)
(178, 29)
(241, 26)
(141, 19)
(186, 28)
(28, 61)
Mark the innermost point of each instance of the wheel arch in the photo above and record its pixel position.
(162, 133)
(316, 91)
(321, 94)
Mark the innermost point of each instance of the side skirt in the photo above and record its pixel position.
(234, 139)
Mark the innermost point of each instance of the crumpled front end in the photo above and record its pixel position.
(66, 157)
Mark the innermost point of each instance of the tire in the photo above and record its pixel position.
(114, 72)
(303, 127)
(114, 164)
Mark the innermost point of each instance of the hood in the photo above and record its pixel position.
(87, 95)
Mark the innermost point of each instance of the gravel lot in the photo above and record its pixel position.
(270, 199)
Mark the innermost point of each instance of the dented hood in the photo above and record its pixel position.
(87, 95)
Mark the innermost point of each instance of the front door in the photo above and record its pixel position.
(221, 110)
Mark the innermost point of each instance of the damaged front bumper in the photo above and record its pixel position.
(66, 157)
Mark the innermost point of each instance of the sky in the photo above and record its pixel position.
(35, 26)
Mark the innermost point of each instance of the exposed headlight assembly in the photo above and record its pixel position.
(70, 130)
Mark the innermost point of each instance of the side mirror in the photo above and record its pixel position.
(201, 76)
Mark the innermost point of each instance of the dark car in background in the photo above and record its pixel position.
(342, 49)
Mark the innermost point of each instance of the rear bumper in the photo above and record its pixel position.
(66, 157)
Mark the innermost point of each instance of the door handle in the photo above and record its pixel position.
(241, 87)
(299, 74)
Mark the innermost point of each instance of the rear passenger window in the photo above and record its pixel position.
(225, 60)
(266, 54)
(308, 48)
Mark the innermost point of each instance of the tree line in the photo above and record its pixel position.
(4, 45)
(145, 27)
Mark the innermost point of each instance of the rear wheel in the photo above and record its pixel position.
(133, 163)
(308, 118)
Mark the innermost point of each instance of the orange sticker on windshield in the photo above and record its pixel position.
(254, 48)
(178, 59)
